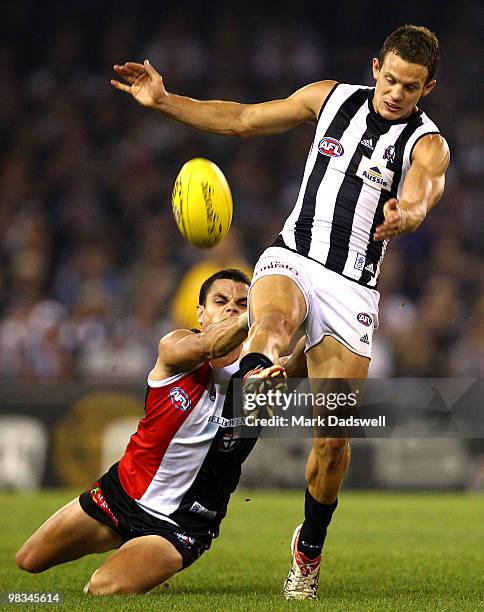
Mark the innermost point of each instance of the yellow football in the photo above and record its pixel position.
(202, 203)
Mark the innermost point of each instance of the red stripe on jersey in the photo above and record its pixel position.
(166, 408)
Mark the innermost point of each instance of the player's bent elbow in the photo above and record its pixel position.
(244, 126)
(242, 131)
(247, 132)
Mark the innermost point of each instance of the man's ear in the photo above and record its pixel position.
(200, 311)
(428, 87)
(376, 67)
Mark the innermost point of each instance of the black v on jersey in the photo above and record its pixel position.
(358, 160)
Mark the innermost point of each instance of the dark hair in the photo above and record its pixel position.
(414, 44)
(229, 273)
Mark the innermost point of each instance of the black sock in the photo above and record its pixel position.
(253, 360)
(316, 521)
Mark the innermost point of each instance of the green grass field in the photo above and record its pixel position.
(385, 551)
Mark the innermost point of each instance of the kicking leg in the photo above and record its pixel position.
(137, 567)
(277, 309)
(68, 534)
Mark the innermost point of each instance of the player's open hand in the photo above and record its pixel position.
(394, 223)
(142, 81)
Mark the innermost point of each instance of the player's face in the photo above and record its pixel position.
(226, 298)
(399, 86)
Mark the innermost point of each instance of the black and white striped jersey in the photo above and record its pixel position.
(358, 161)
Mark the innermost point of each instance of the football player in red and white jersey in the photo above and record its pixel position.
(160, 506)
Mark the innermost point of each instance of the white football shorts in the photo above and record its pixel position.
(336, 306)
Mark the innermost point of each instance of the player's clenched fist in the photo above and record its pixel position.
(394, 223)
(142, 81)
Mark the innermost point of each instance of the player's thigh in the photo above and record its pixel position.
(68, 534)
(137, 567)
(277, 295)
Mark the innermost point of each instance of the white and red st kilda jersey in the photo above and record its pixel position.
(165, 455)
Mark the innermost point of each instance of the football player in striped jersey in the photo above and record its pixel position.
(374, 171)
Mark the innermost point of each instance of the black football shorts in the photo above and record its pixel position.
(107, 502)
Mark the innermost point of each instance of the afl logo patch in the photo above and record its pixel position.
(330, 147)
(365, 319)
(179, 399)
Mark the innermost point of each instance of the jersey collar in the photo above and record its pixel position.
(220, 374)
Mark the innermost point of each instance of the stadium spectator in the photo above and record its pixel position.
(86, 177)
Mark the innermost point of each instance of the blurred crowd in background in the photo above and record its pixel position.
(90, 257)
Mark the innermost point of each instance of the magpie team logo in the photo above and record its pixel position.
(389, 154)
(330, 147)
(180, 399)
(364, 318)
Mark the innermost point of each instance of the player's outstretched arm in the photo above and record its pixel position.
(422, 189)
(146, 86)
(182, 350)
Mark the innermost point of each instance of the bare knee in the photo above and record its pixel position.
(27, 560)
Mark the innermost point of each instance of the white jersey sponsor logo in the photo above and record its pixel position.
(374, 175)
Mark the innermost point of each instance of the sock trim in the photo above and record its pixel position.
(253, 360)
